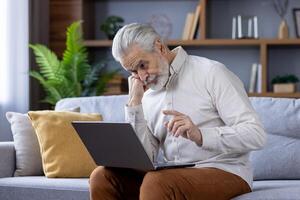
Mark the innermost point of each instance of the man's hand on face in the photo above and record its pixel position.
(182, 125)
(136, 90)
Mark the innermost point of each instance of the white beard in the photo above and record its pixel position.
(161, 79)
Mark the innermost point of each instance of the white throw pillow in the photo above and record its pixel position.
(28, 157)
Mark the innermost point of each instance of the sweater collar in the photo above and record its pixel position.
(177, 63)
(178, 60)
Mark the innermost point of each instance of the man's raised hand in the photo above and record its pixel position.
(182, 125)
(136, 90)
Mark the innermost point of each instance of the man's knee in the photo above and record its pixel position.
(99, 179)
(155, 184)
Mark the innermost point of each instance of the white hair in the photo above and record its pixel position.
(142, 35)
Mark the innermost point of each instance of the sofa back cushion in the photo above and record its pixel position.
(280, 158)
(111, 108)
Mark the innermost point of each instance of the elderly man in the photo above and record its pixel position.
(186, 109)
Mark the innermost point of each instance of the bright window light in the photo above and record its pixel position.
(3, 53)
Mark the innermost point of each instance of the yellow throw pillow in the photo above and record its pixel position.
(63, 153)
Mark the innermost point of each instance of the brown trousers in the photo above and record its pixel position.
(183, 183)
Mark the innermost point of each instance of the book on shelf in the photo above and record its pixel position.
(187, 26)
(259, 79)
(253, 78)
(195, 24)
(255, 84)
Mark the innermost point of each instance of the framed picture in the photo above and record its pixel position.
(296, 12)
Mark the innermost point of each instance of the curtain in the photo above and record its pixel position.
(14, 61)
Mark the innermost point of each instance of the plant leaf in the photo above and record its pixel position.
(48, 62)
(53, 94)
(75, 57)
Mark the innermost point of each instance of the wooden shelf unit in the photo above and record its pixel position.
(62, 17)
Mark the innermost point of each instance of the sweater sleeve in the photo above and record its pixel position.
(135, 116)
(243, 130)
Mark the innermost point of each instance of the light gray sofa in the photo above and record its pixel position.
(276, 167)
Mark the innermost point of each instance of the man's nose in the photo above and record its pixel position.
(143, 74)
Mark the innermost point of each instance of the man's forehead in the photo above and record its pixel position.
(132, 57)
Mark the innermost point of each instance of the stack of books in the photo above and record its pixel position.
(117, 85)
(192, 22)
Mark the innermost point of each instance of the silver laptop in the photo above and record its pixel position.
(117, 145)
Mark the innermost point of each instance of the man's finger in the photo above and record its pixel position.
(177, 124)
(181, 130)
(172, 112)
(166, 124)
(171, 123)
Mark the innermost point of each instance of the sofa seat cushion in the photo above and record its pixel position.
(280, 159)
(273, 190)
(40, 187)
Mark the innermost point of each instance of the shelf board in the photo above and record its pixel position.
(278, 95)
(214, 42)
(208, 42)
(98, 43)
(230, 42)
(281, 41)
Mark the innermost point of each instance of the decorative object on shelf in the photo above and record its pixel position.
(162, 24)
(72, 76)
(244, 27)
(117, 85)
(280, 7)
(285, 84)
(296, 12)
(111, 25)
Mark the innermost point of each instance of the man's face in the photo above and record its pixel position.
(150, 67)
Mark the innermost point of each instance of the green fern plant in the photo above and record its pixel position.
(72, 76)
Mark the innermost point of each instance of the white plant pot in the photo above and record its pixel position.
(284, 87)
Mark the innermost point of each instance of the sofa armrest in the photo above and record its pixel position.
(7, 159)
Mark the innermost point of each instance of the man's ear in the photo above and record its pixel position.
(159, 47)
